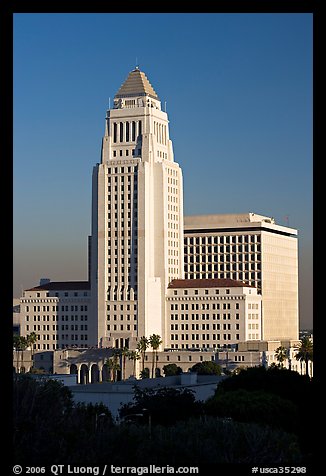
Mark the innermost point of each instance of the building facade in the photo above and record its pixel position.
(211, 314)
(254, 249)
(58, 312)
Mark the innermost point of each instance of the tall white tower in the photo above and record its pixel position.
(137, 218)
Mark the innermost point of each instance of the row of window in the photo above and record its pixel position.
(122, 317)
(133, 152)
(121, 295)
(124, 243)
(123, 170)
(115, 189)
(116, 327)
(209, 346)
(173, 190)
(74, 337)
(253, 316)
(173, 251)
(204, 268)
(207, 306)
(162, 155)
(126, 131)
(195, 317)
(65, 294)
(56, 346)
(223, 258)
(114, 179)
(204, 337)
(123, 260)
(225, 327)
(115, 307)
(221, 239)
(46, 327)
(73, 308)
(57, 318)
(160, 132)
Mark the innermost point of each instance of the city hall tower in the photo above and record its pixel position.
(137, 218)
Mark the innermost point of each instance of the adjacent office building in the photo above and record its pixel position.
(58, 312)
(254, 249)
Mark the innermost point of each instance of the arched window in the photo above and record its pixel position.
(114, 132)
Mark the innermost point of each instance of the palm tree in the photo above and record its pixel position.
(113, 366)
(281, 355)
(124, 352)
(142, 346)
(19, 344)
(155, 341)
(31, 339)
(16, 345)
(133, 355)
(305, 352)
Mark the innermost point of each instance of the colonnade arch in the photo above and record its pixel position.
(91, 372)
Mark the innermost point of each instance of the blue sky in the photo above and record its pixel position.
(238, 92)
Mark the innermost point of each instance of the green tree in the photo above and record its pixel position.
(305, 352)
(134, 356)
(207, 367)
(172, 369)
(142, 346)
(155, 341)
(281, 354)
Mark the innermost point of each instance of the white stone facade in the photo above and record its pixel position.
(137, 225)
(58, 313)
(210, 314)
(253, 249)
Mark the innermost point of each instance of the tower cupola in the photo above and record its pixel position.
(136, 91)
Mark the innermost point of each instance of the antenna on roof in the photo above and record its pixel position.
(137, 65)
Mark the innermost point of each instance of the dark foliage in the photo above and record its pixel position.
(51, 429)
(282, 382)
(207, 368)
(172, 369)
(256, 406)
(165, 406)
(295, 389)
(47, 425)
